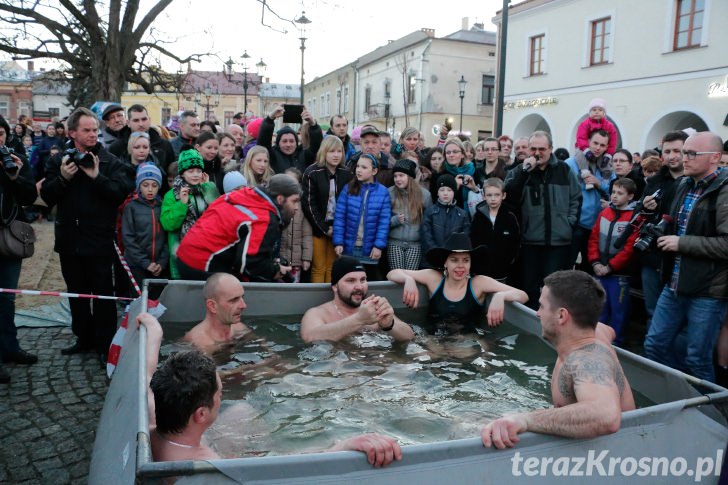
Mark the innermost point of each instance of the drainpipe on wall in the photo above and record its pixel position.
(352, 105)
(422, 83)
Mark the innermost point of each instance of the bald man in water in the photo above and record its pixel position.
(224, 304)
(588, 387)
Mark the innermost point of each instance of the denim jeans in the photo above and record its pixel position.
(9, 276)
(701, 317)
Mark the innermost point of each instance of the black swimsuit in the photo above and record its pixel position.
(445, 317)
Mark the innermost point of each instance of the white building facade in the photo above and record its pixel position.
(413, 81)
(661, 65)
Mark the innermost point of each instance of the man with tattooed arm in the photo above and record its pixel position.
(588, 387)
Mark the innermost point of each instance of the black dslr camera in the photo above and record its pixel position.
(650, 232)
(81, 159)
(8, 162)
(288, 277)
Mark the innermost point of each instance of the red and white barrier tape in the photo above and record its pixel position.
(125, 265)
(62, 294)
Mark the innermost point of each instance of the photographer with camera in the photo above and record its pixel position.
(548, 195)
(88, 184)
(17, 188)
(695, 263)
(665, 181)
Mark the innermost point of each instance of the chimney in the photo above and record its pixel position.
(478, 26)
(267, 80)
(466, 23)
(31, 65)
(42, 69)
(429, 32)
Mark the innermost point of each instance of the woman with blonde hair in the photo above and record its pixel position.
(256, 167)
(322, 183)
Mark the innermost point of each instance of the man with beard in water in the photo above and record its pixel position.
(240, 233)
(352, 311)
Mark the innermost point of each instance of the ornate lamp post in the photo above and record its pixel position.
(302, 22)
(208, 94)
(462, 84)
(230, 73)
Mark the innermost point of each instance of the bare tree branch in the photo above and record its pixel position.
(97, 43)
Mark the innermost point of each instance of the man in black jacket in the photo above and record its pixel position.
(666, 180)
(288, 152)
(138, 121)
(87, 196)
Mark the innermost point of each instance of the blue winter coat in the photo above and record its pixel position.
(376, 219)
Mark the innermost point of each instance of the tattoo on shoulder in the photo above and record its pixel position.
(593, 364)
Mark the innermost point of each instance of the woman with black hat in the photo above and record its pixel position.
(457, 300)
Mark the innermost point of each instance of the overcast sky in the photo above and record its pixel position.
(341, 30)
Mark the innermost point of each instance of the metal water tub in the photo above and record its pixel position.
(680, 436)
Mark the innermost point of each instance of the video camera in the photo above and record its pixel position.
(8, 161)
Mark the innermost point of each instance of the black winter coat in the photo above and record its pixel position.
(502, 239)
(315, 196)
(87, 208)
(301, 158)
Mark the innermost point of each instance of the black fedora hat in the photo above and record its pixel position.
(458, 242)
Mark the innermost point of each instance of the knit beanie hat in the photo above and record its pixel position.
(407, 167)
(282, 184)
(233, 180)
(343, 266)
(253, 127)
(447, 180)
(598, 102)
(189, 159)
(148, 171)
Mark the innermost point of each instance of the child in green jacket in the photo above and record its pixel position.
(191, 193)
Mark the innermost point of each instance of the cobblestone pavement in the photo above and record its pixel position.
(49, 411)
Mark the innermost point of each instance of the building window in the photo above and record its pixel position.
(338, 101)
(313, 107)
(323, 105)
(54, 112)
(24, 108)
(166, 115)
(488, 89)
(228, 116)
(367, 98)
(536, 55)
(600, 41)
(5, 106)
(346, 100)
(328, 104)
(411, 85)
(688, 23)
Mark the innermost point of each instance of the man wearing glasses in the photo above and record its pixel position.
(695, 263)
(548, 195)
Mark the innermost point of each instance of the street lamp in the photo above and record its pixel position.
(387, 99)
(302, 21)
(229, 74)
(462, 84)
(207, 93)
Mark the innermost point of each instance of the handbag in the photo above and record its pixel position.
(17, 238)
